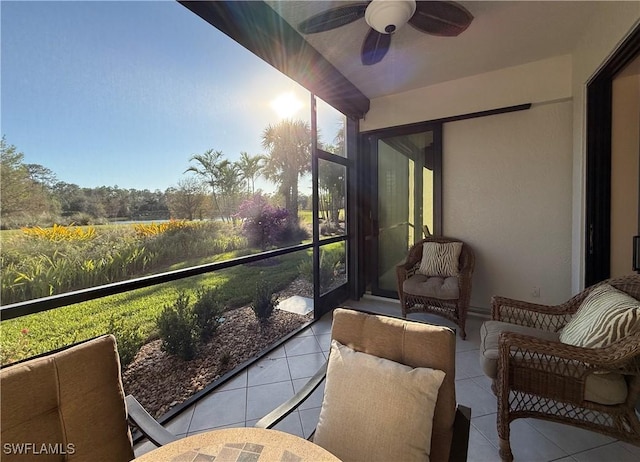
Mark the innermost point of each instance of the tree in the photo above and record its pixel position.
(228, 187)
(289, 146)
(185, 202)
(208, 169)
(42, 175)
(14, 179)
(20, 195)
(331, 184)
(250, 168)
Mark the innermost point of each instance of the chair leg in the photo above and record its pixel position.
(462, 321)
(505, 450)
(463, 333)
(502, 420)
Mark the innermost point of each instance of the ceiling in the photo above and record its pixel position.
(502, 34)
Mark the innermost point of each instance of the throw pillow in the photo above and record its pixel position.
(605, 316)
(440, 259)
(375, 409)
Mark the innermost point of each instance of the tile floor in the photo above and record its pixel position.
(276, 377)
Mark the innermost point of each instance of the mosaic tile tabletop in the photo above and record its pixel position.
(240, 445)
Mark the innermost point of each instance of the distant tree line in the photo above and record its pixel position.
(215, 187)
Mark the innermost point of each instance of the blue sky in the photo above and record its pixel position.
(124, 93)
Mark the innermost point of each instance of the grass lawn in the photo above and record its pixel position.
(134, 313)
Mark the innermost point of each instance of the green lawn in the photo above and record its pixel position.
(134, 313)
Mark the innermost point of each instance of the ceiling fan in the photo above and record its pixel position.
(385, 17)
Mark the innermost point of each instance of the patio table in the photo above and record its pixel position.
(237, 445)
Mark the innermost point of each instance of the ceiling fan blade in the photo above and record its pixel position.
(335, 17)
(447, 19)
(374, 47)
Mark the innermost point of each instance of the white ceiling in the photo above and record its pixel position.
(502, 34)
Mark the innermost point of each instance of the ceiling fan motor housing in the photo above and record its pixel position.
(387, 16)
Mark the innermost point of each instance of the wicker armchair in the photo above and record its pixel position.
(427, 296)
(536, 375)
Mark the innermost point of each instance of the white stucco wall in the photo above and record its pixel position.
(507, 189)
(506, 193)
(540, 81)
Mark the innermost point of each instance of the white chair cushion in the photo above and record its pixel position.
(375, 409)
(432, 287)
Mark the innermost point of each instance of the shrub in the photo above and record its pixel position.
(263, 224)
(20, 350)
(264, 302)
(208, 310)
(329, 261)
(129, 340)
(177, 328)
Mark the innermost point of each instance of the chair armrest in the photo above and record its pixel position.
(545, 317)
(147, 425)
(460, 441)
(402, 274)
(274, 417)
(569, 360)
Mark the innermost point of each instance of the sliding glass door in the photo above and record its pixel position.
(404, 169)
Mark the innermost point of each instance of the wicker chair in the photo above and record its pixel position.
(428, 298)
(535, 375)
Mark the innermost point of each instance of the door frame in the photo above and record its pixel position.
(597, 249)
(368, 170)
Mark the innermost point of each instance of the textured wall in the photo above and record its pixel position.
(507, 192)
(506, 177)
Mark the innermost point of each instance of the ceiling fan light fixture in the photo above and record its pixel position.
(387, 16)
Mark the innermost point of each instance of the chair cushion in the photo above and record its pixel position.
(605, 316)
(432, 287)
(414, 344)
(489, 335)
(600, 388)
(73, 398)
(375, 409)
(440, 259)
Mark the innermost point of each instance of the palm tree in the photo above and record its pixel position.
(228, 187)
(208, 169)
(289, 146)
(250, 168)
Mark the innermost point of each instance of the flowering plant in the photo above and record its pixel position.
(262, 223)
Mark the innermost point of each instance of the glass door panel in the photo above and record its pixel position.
(405, 202)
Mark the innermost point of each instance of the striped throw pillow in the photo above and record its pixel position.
(605, 316)
(440, 259)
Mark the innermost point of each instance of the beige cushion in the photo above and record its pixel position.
(490, 334)
(600, 388)
(375, 409)
(71, 397)
(440, 259)
(432, 287)
(605, 316)
(415, 344)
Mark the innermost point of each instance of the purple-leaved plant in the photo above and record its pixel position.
(263, 224)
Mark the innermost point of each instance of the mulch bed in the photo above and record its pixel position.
(161, 381)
